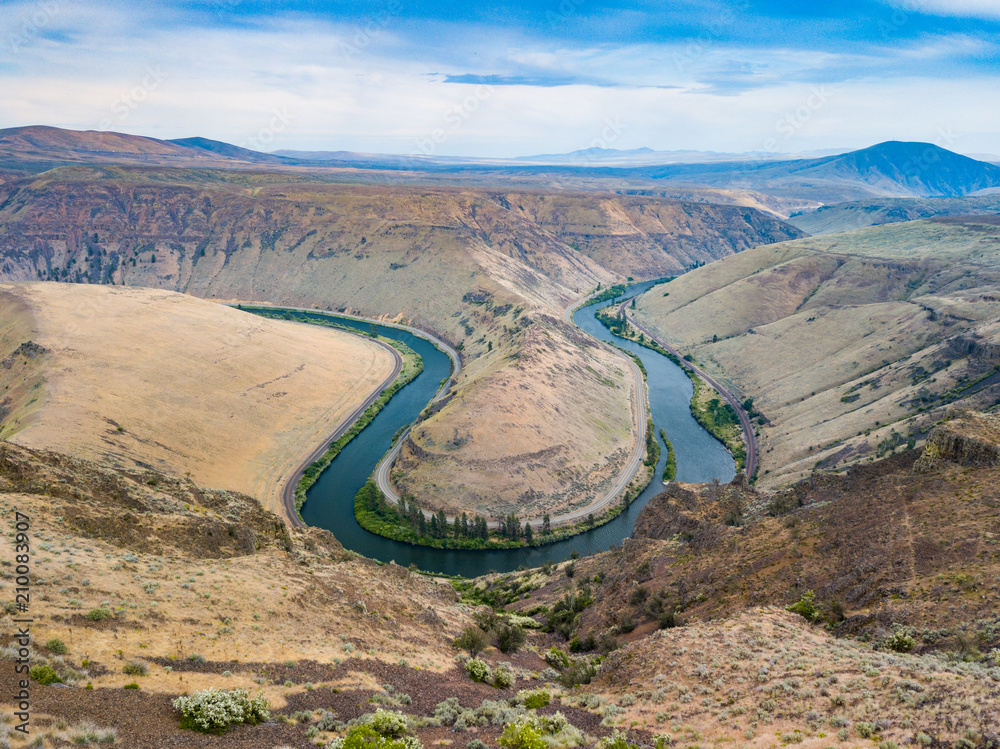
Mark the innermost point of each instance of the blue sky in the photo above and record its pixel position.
(509, 79)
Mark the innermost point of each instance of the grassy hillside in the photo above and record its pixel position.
(850, 344)
(149, 378)
(491, 272)
(842, 217)
(147, 587)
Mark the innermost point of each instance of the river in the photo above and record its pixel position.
(330, 501)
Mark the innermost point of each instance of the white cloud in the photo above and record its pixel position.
(958, 8)
(366, 88)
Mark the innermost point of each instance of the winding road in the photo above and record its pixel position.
(288, 492)
(749, 435)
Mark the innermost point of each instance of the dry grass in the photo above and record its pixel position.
(153, 378)
(767, 678)
(843, 339)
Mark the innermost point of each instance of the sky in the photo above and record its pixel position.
(505, 79)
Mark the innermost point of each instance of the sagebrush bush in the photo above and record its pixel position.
(503, 677)
(215, 710)
(135, 668)
(98, 615)
(57, 646)
(534, 698)
(899, 642)
(43, 673)
(387, 723)
(479, 670)
(521, 735)
(363, 737)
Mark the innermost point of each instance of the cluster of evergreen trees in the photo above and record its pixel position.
(472, 531)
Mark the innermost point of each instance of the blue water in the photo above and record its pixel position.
(330, 501)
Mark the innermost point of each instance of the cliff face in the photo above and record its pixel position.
(970, 439)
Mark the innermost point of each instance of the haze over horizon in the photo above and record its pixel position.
(508, 80)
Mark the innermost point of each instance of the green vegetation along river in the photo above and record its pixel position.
(330, 501)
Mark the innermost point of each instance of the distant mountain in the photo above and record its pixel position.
(917, 169)
(40, 147)
(229, 151)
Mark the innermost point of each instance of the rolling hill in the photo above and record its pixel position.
(850, 344)
(85, 370)
(489, 271)
(830, 219)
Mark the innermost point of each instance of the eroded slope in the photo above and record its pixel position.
(850, 344)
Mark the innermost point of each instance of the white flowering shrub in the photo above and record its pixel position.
(388, 723)
(215, 710)
(479, 670)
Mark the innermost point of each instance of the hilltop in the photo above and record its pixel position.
(831, 219)
(850, 344)
(149, 379)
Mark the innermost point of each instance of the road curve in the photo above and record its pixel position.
(749, 435)
(288, 492)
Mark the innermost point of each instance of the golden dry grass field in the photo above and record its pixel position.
(143, 377)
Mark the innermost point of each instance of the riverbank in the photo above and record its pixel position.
(412, 365)
(719, 419)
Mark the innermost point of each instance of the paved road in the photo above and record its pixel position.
(749, 435)
(288, 492)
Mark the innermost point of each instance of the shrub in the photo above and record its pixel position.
(473, 640)
(580, 672)
(476, 744)
(87, 733)
(479, 670)
(387, 723)
(521, 735)
(806, 607)
(617, 740)
(503, 677)
(363, 737)
(556, 658)
(510, 637)
(132, 685)
(866, 730)
(534, 698)
(98, 615)
(135, 668)
(43, 673)
(900, 642)
(214, 710)
(57, 646)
